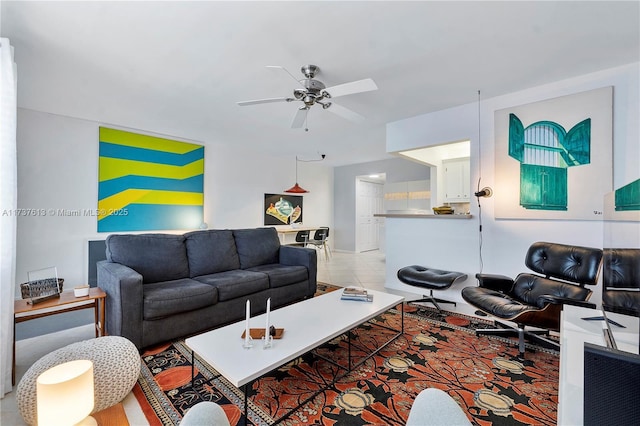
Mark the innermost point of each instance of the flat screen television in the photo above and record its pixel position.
(611, 386)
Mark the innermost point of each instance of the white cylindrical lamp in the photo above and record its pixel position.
(65, 394)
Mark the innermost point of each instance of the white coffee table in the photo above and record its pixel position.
(307, 325)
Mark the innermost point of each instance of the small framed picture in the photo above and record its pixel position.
(282, 209)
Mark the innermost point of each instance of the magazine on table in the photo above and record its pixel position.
(356, 293)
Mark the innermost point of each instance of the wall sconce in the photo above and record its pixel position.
(65, 394)
(485, 192)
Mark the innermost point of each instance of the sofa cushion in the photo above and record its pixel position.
(238, 283)
(211, 251)
(142, 253)
(172, 297)
(259, 246)
(282, 275)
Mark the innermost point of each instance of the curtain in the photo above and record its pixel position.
(8, 204)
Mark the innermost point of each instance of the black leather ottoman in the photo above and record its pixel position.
(430, 278)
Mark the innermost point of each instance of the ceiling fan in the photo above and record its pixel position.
(313, 92)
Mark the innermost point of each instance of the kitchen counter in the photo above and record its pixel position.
(423, 216)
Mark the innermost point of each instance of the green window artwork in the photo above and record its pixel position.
(627, 198)
(545, 152)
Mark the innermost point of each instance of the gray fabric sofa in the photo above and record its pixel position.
(162, 287)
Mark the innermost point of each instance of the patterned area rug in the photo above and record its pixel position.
(483, 374)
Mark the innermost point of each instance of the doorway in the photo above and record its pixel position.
(369, 201)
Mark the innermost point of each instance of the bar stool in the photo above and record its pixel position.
(433, 279)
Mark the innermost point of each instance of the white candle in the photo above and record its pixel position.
(266, 329)
(246, 325)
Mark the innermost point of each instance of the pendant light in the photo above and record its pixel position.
(296, 189)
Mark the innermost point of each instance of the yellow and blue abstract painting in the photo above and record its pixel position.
(148, 183)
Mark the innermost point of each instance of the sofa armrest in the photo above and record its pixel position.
(124, 303)
(292, 255)
(499, 283)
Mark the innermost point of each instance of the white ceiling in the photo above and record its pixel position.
(177, 68)
(433, 155)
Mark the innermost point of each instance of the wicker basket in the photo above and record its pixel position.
(39, 288)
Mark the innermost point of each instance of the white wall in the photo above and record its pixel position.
(344, 190)
(454, 244)
(58, 169)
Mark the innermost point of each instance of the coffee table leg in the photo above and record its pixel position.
(246, 406)
(193, 363)
(349, 358)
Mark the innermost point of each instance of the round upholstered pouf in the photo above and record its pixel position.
(116, 367)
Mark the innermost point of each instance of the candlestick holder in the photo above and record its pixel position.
(267, 341)
(247, 342)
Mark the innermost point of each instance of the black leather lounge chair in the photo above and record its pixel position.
(536, 299)
(621, 280)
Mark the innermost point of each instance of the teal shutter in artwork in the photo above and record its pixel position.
(545, 151)
(516, 138)
(628, 197)
(577, 143)
(543, 187)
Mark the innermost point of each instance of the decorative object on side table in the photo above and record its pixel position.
(43, 284)
(81, 290)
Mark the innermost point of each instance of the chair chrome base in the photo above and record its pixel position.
(433, 300)
(521, 333)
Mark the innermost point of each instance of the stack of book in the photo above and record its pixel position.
(356, 293)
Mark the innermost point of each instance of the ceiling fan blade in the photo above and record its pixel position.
(359, 86)
(264, 101)
(345, 113)
(278, 67)
(299, 118)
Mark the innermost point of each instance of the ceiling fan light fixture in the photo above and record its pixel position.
(309, 71)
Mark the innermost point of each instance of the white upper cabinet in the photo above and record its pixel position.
(457, 183)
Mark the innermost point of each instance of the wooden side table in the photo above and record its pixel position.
(67, 302)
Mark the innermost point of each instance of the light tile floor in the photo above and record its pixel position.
(342, 269)
(350, 269)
